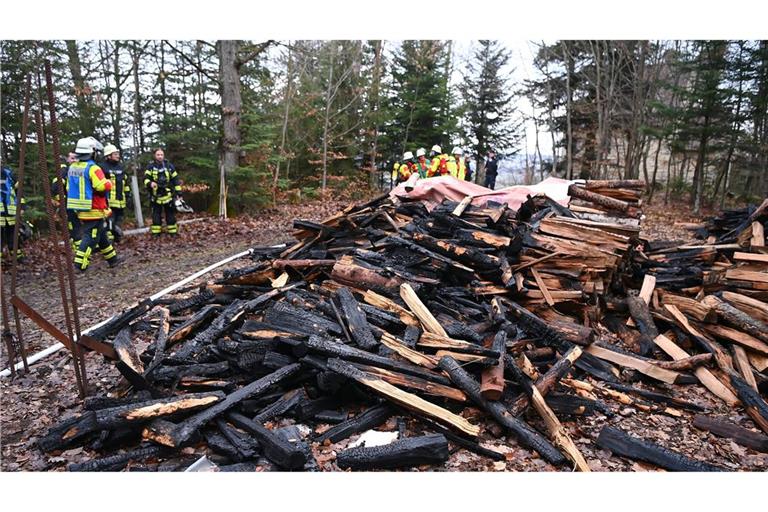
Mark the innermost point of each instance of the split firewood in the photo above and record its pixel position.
(404, 399)
(418, 308)
(492, 378)
(547, 381)
(524, 433)
(738, 318)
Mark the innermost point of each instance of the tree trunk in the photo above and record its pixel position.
(231, 105)
(327, 119)
(286, 111)
(375, 93)
(86, 123)
(568, 59)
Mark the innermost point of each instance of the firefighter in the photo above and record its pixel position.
(115, 173)
(8, 213)
(73, 223)
(422, 166)
(87, 190)
(457, 166)
(395, 169)
(491, 170)
(163, 185)
(407, 168)
(439, 165)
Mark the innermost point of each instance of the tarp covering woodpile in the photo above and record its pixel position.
(462, 323)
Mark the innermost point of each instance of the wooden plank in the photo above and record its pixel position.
(746, 275)
(750, 256)
(408, 381)
(543, 287)
(418, 308)
(462, 206)
(758, 361)
(405, 399)
(382, 302)
(738, 337)
(644, 367)
(408, 353)
(706, 377)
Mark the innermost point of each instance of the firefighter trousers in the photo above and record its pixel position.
(170, 218)
(6, 233)
(94, 236)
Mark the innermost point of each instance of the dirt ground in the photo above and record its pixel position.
(31, 403)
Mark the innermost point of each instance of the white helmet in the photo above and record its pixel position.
(437, 149)
(87, 146)
(457, 151)
(408, 155)
(421, 152)
(109, 149)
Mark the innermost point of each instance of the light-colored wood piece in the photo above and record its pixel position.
(418, 308)
(543, 287)
(742, 364)
(706, 377)
(644, 367)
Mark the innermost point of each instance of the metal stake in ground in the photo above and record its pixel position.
(77, 354)
(20, 196)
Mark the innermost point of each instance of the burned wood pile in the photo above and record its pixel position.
(452, 326)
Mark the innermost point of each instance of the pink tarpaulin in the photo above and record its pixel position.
(434, 190)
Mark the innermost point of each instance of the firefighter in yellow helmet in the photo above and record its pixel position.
(439, 165)
(457, 165)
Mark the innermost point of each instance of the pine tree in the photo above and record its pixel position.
(419, 109)
(488, 103)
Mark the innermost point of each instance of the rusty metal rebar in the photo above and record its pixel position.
(57, 250)
(20, 349)
(68, 254)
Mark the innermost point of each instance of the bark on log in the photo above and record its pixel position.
(604, 201)
(413, 451)
(524, 433)
(625, 445)
(738, 318)
(638, 308)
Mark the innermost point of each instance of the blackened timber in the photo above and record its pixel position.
(464, 254)
(285, 315)
(411, 336)
(415, 383)
(655, 396)
(366, 420)
(412, 451)
(186, 428)
(224, 322)
(281, 406)
(246, 446)
(217, 442)
(755, 406)
(169, 373)
(117, 462)
(114, 417)
(524, 433)
(396, 240)
(334, 349)
(546, 382)
(160, 342)
(741, 435)
(205, 296)
(120, 321)
(623, 444)
(278, 450)
(492, 379)
(404, 399)
(192, 323)
(356, 320)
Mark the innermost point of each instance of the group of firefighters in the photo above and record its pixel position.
(440, 164)
(96, 195)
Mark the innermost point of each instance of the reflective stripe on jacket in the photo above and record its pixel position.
(86, 190)
(167, 179)
(8, 194)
